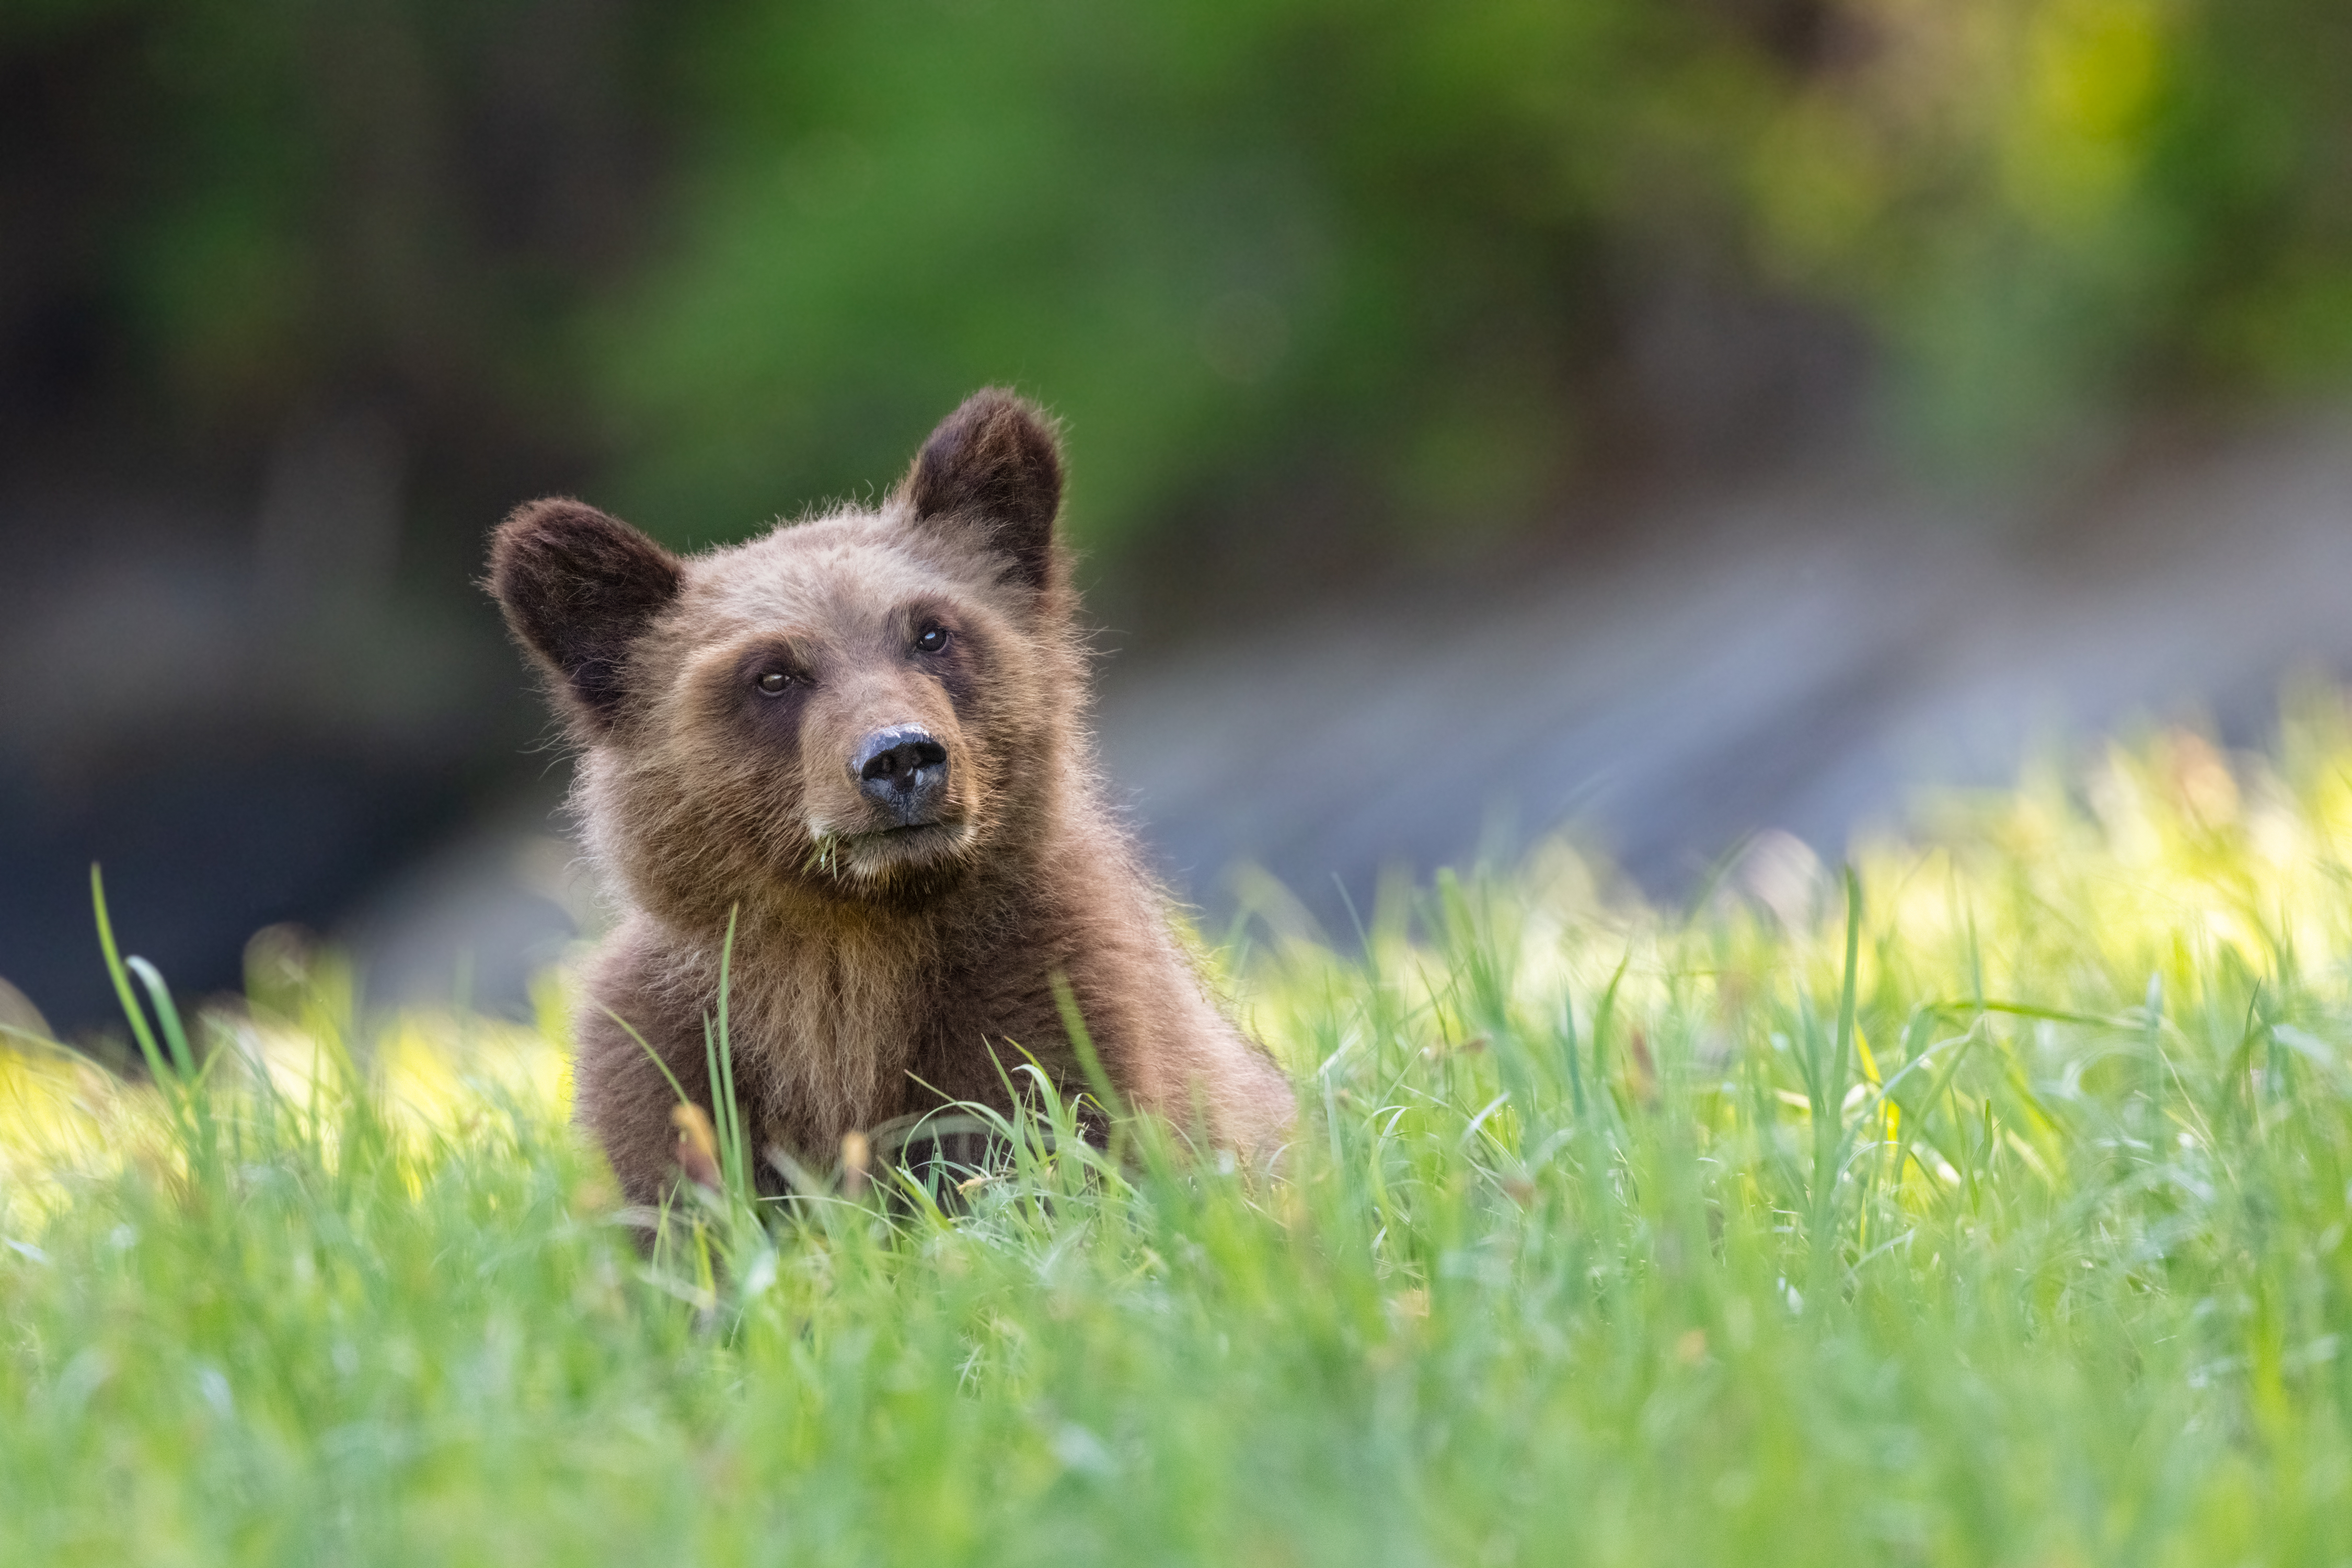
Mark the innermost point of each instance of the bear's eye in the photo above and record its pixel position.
(773, 683)
(934, 639)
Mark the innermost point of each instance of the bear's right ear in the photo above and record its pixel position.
(578, 587)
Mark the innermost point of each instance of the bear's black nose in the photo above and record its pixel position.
(903, 771)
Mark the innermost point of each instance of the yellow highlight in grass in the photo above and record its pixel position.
(64, 1120)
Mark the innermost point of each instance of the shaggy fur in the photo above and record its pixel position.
(721, 701)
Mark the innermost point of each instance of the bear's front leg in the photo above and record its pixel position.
(621, 1098)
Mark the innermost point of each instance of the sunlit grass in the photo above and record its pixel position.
(2005, 1224)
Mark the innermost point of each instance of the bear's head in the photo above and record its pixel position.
(857, 708)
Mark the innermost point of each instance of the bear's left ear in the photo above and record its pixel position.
(993, 466)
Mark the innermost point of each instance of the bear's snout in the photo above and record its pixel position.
(904, 770)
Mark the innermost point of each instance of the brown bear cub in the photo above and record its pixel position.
(865, 735)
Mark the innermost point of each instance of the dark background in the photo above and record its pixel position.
(1365, 317)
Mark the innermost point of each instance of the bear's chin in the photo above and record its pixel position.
(892, 862)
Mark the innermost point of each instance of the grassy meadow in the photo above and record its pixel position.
(1989, 1207)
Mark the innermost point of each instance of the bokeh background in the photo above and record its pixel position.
(1677, 418)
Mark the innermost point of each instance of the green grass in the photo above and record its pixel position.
(2007, 1224)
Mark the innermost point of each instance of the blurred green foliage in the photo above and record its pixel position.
(728, 254)
(2050, 207)
(1209, 234)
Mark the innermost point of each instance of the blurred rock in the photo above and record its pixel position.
(473, 922)
(1796, 658)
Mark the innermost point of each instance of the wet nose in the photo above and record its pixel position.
(903, 771)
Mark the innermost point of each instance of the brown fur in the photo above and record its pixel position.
(874, 972)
